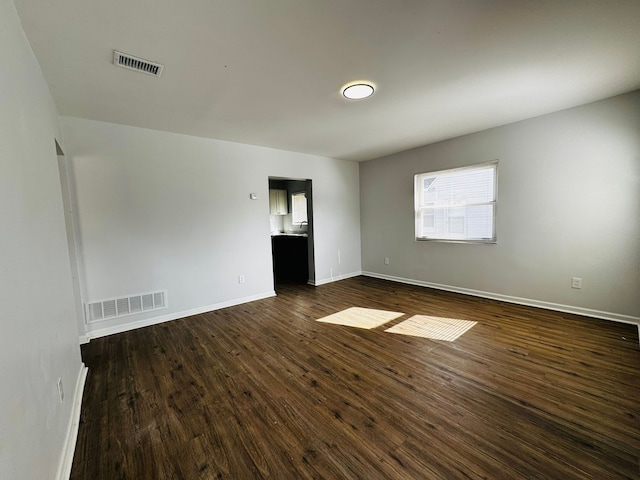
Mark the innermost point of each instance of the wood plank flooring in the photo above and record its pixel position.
(262, 390)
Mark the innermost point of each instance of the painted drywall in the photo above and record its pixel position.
(163, 211)
(568, 206)
(39, 339)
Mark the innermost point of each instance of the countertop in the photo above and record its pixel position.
(289, 234)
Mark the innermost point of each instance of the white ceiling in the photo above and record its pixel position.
(268, 72)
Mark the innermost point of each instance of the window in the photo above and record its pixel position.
(299, 208)
(457, 205)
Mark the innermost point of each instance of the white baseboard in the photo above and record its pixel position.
(616, 317)
(103, 332)
(334, 278)
(66, 461)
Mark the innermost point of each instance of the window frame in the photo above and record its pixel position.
(419, 207)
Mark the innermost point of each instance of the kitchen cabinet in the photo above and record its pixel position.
(278, 202)
(290, 258)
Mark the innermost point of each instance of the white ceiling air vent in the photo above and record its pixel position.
(139, 64)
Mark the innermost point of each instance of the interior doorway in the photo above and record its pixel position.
(291, 225)
(68, 203)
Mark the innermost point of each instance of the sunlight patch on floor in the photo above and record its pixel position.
(361, 317)
(435, 328)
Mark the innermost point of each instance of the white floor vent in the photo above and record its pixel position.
(119, 307)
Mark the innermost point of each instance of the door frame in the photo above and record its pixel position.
(310, 228)
(67, 190)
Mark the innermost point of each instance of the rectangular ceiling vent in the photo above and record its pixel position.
(139, 64)
(120, 307)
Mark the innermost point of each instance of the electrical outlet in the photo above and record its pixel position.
(386, 260)
(240, 278)
(576, 282)
(60, 390)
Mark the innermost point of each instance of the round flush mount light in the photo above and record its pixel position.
(357, 91)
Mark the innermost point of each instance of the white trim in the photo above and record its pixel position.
(66, 460)
(103, 332)
(587, 312)
(83, 339)
(336, 278)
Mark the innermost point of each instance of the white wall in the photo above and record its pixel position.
(39, 336)
(162, 211)
(568, 205)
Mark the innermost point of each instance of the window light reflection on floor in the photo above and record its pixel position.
(435, 328)
(361, 317)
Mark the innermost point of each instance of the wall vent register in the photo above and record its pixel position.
(138, 64)
(122, 306)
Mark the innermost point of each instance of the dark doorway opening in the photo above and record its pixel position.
(291, 225)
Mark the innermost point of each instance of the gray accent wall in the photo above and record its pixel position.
(568, 206)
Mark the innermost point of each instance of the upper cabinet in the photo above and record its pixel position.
(278, 202)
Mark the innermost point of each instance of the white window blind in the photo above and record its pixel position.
(457, 205)
(299, 208)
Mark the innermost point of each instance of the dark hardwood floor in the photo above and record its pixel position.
(261, 390)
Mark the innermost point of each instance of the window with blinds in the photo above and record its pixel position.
(457, 205)
(299, 208)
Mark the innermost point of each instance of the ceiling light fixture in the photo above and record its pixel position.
(357, 91)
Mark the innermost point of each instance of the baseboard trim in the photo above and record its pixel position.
(103, 332)
(615, 317)
(336, 278)
(66, 461)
